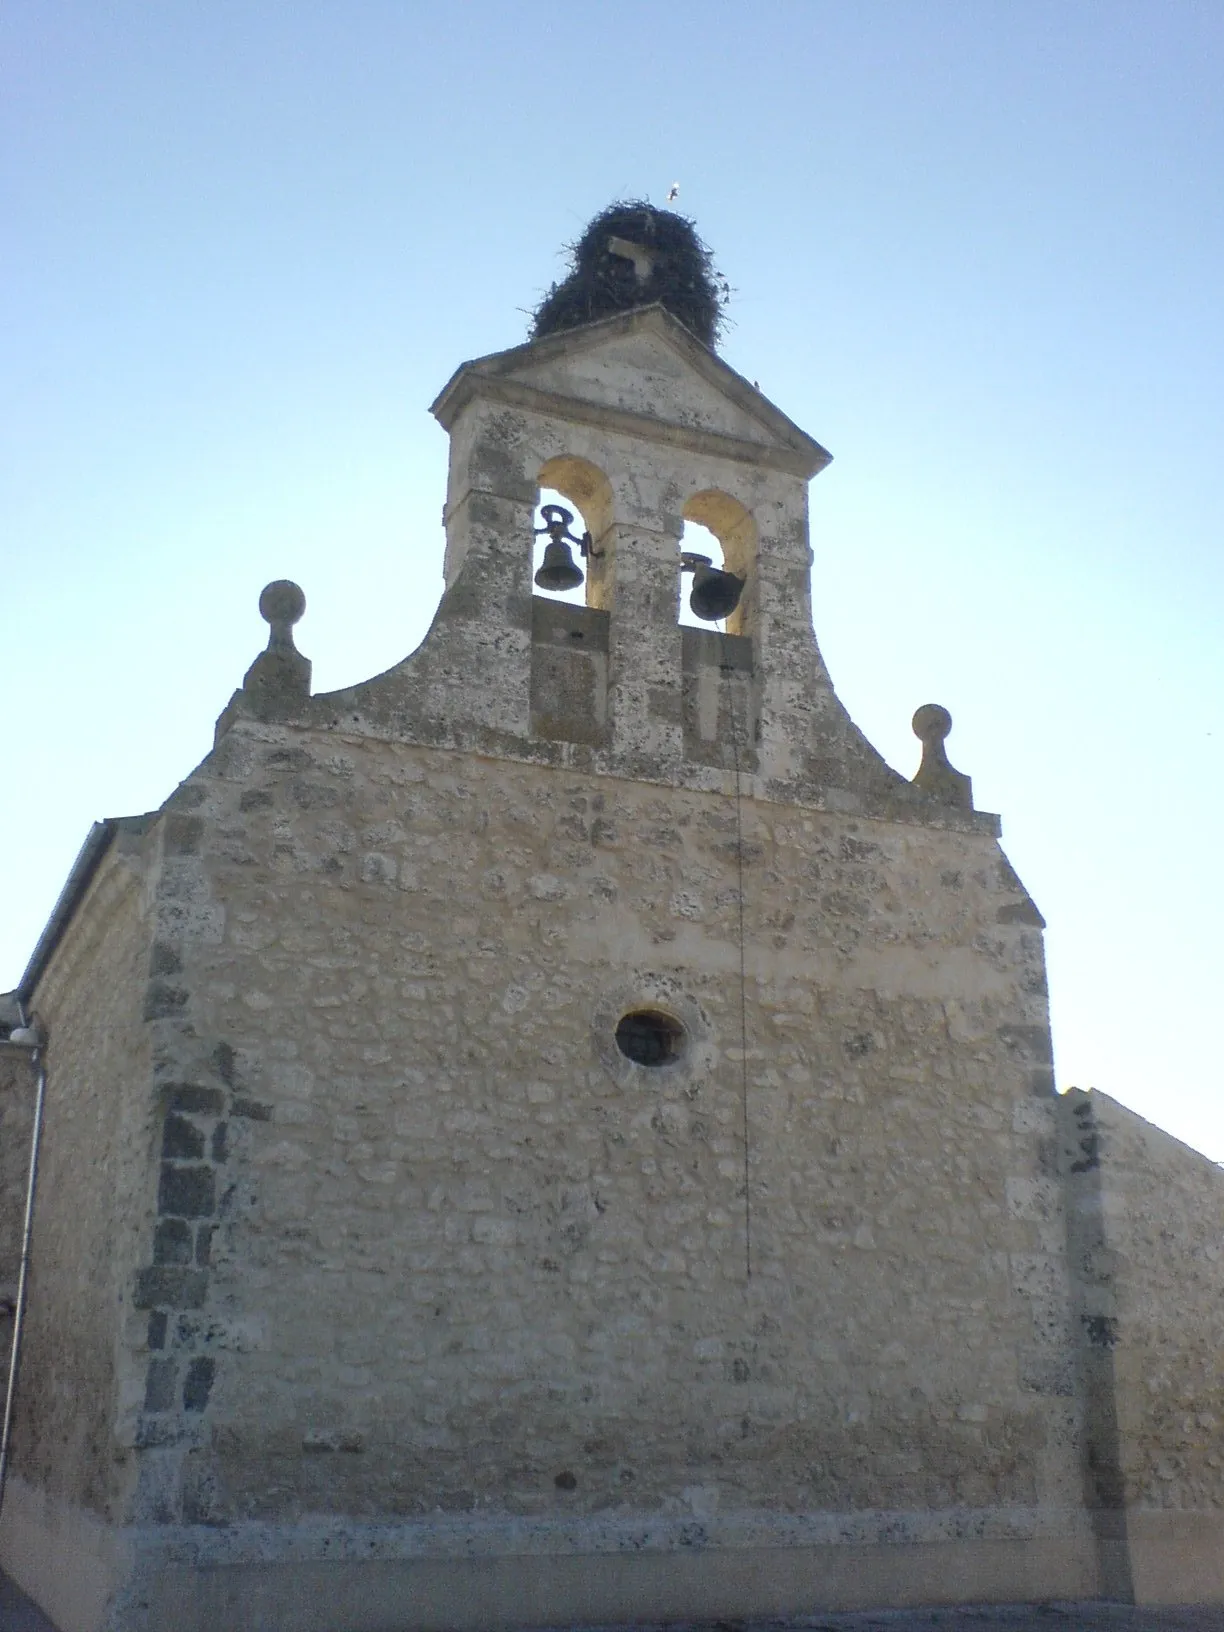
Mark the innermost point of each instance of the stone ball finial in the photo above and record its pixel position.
(931, 723)
(279, 679)
(282, 602)
(936, 777)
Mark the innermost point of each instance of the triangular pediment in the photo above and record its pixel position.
(640, 366)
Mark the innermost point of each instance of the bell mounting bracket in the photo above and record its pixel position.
(557, 521)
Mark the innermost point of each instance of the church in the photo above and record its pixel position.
(561, 1132)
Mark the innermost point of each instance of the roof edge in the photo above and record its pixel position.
(80, 876)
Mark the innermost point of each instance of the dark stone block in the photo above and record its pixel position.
(254, 799)
(203, 1251)
(1020, 912)
(172, 1242)
(315, 796)
(164, 960)
(186, 1096)
(197, 1385)
(170, 1287)
(252, 1110)
(159, 1385)
(1090, 1157)
(860, 850)
(154, 1431)
(1101, 1330)
(187, 1192)
(181, 1139)
(223, 1059)
(163, 1002)
(183, 835)
(220, 1142)
(294, 759)
(157, 1329)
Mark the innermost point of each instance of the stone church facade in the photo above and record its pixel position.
(562, 1132)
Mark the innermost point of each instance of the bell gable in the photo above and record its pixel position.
(642, 372)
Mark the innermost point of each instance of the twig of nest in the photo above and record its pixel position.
(636, 255)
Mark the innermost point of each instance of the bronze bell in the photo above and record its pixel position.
(715, 594)
(558, 570)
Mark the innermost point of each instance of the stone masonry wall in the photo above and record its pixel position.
(472, 1260)
(16, 1123)
(1154, 1297)
(89, 1203)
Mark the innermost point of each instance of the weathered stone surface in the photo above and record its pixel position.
(91, 1212)
(358, 1211)
(17, 1095)
(1146, 1240)
(174, 1242)
(608, 1217)
(175, 1288)
(187, 1191)
(160, 1385)
(181, 1139)
(198, 1382)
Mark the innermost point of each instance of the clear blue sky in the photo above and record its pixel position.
(976, 249)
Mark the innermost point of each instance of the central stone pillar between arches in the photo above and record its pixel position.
(644, 651)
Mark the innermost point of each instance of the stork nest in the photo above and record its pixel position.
(682, 275)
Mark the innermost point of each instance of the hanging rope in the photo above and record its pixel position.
(727, 670)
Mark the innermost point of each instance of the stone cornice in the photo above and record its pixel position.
(645, 427)
(785, 446)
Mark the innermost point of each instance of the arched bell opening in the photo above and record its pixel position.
(720, 698)
(718, 527)
(697, 541)
(573, 517)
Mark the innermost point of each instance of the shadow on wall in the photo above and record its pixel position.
(17, 1613)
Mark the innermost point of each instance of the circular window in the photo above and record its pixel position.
(650, 1037)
